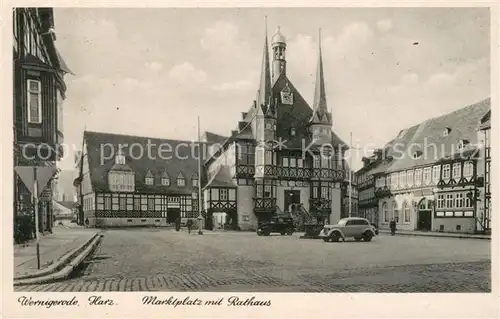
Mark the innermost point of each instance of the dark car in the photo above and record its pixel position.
(282, 225)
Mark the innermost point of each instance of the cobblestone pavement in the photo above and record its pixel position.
(164, 260)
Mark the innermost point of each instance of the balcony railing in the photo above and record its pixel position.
(293, 173)
(264, 204)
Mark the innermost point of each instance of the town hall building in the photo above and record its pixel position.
(283, 158)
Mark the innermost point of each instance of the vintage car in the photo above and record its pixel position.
(351, 227)
(282, 225)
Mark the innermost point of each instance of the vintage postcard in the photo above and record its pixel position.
(250, 159)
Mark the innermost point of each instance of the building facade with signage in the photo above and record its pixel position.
(39, 93)
(430, 182)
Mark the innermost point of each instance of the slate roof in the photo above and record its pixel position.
(463, 124)
(158, 163)
(222, 178)
(292, 116)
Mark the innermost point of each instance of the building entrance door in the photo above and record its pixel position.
(173, 214)
(291, 197)
(424, 220)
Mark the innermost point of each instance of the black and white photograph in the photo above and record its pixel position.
(251, 150)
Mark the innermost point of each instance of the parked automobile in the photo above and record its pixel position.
(351, 227)
(282, 225)
(376, 228)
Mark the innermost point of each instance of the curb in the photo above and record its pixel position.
(441, 236)
(75, 258)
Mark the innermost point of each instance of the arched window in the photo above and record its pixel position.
(395, 212)
(406, 212)
(385, 213)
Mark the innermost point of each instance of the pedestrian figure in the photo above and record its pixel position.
(178, 224)
(392, 225)
(189, 224)
(87, 222)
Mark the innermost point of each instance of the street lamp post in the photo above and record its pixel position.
(350, 174)
(200, 216)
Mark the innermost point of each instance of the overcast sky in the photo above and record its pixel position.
(150, 72)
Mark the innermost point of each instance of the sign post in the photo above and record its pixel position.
(37, 230)
(35, 178)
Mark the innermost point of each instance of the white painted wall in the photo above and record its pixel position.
(246, 218)
(336, 205)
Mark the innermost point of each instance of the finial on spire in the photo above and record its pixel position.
(265, 23)
(319, 37)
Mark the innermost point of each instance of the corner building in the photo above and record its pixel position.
(283, 156)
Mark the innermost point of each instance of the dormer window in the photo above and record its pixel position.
(120, 158)
(292, 132)
(149, 180)
(180, 180)
(446, 131)
(194, 180)
(165, 180)
(461, 144)
(417, 154)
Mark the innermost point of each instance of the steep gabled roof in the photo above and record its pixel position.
(463, 124)
(158, 163)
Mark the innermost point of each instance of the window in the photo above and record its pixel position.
(446, 171)
(418, 177)
(149, 180)
(285, 161)
(223, 194)
(137, 203)
(325, 192)
(151, 204)
(165, 181)
(194, 180)
(406, 212)
(459, 200)
(292, 132)
(293, 162)
(395, 180)
(267, 191)
(385, 213)
(449, 201)
(468, 169)
(107, 203)
(440, 201)
(395, 212)
(120, 158)
(402, 179)
(180, 180)
(409, 178)
(468, 201)
(269, 158)
(457, 170)
(34, 101)
(300, 162)
(427, 175)
(144, 203)
(316, 161)
(123, 203)
(446, 131)
(436, 170)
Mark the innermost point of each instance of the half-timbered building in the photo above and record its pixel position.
(129, 180)
(39, 93)
(429, 182)
(283, 154)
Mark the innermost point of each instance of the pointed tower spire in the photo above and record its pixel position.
(265, 77)
(320, 108)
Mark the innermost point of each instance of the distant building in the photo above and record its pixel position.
(430, 181)
(484, 173)
(39, 93)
